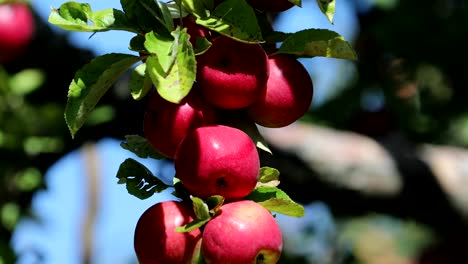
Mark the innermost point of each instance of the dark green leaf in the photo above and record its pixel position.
(214, 204)
(137, 44)
(328, 8)
(140, 147)
(79, 17)
(148, 15)
(318, 42)
(201, 45)
(140, 83)
(139, 180)
(90, 83)
(236, 19)
(276, 200)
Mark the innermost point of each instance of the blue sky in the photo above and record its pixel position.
(60, 209)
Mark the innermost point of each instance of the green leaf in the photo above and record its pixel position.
(202, 215)
(235, 19)
(140, 83)
(163, 49)
(139, 180)
(79, 17)
(26, 81)
(214, 204)
(318, 42)
(296, 2)
(140, 146)
(176, 11)
(201, 45)
(137, 43)
(90, 83)
(200, 208)
(175, 83)
(328, 8)
(268, 177)
(276, 200)
(149, 15)
(198, 8)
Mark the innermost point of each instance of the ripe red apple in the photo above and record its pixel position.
(271, 5)
(156, 240)
(243, 233)
(217, 160)
(16, 30)
(166, 123)
(232, 74)
(287, 96)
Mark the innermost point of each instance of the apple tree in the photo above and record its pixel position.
(214, 71)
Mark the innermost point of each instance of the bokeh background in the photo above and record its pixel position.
(380, 161)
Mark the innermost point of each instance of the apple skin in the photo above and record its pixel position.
(275, 6)
(232, 74)
(17, 28)
(243, 233)
(217, 160)
(155, 238)
(288, 93)
(166, 124)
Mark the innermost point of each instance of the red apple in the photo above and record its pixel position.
(271, 5)
(156, 240)
(232, 74)
(217, 160)
(16, 30)
(287, 96)
(243, 233)
(166, 123)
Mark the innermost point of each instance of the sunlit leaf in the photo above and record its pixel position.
(328, 8)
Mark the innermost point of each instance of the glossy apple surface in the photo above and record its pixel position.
(232, 74)
(288, 93)
(271, 5)
(217, 160)
(155, 239)
(243, 233)
(16, 30)
(166, 123)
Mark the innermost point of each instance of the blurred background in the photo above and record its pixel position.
(380, 161)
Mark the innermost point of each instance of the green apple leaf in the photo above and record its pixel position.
(202, 215)
(200, 208)
(235, 19)
(201, 45)
(162, 48)
(75, 16)
(139, 180)
(172, 69)
(176, 11)
(140, 83)
(214, 204)
(140, 146)
(328, 8)
(268, 177)
(149, 15)
(198, 8)
(137, 43)
(90, 83)
(276, 200)
(318, 42)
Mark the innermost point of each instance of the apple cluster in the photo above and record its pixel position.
(212, 157)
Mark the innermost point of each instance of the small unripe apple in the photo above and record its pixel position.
(243, 233)
(288, 93)
(155, 239)
(271, 5)
(232, 74)
(16, 30)
(217, 160)
(166, 123)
